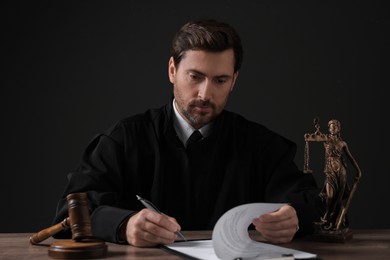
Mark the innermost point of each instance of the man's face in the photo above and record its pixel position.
(202, 83)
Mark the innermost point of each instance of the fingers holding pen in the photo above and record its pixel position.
(148, 228)
(162, 221)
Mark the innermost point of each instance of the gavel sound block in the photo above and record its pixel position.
(82, 245)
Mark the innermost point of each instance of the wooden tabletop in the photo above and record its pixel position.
(365, 244)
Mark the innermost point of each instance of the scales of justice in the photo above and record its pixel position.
(337, 191)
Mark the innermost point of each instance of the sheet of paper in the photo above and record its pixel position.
(231, 239)
(200, 249)
(203, 249)
(230, 235)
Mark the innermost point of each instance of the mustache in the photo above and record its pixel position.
(202, 103)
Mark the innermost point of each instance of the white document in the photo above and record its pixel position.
(230, 238)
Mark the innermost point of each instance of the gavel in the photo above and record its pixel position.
(82, 245)
(78, 221)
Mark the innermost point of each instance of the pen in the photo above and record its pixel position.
(150, 205)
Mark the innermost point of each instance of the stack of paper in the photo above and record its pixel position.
(230, 239)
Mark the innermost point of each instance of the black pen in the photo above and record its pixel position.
(150, 205)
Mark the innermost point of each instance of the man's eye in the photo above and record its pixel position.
(221, 81)
(194, 77)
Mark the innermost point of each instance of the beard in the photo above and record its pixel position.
(199, 112)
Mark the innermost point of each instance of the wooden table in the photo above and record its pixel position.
(366, 244)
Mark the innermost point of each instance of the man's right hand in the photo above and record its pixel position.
(148, 228)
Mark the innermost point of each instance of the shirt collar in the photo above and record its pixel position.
(184, 129)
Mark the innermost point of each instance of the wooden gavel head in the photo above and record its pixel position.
(79, 218)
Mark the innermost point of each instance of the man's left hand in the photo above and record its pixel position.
(279, 226)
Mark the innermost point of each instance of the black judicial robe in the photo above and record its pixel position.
(239, 162)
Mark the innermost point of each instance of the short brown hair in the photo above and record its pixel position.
(207, 35)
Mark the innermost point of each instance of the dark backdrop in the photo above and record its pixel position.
(72, 69)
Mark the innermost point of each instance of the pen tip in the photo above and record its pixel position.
(138, 197)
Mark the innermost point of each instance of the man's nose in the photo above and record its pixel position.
(204, 92)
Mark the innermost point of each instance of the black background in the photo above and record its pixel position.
(73, 68)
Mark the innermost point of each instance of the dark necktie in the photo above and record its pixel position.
(195, 137)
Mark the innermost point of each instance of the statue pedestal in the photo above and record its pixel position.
(336, 236)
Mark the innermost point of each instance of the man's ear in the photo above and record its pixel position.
(171, 70)
(235, 76)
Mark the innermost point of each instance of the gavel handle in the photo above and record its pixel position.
(48, 232)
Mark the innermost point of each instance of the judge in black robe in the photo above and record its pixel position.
(238, 162)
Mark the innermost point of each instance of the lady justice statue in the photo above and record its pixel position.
(336, 193)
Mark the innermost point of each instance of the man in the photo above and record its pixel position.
(234, 162)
